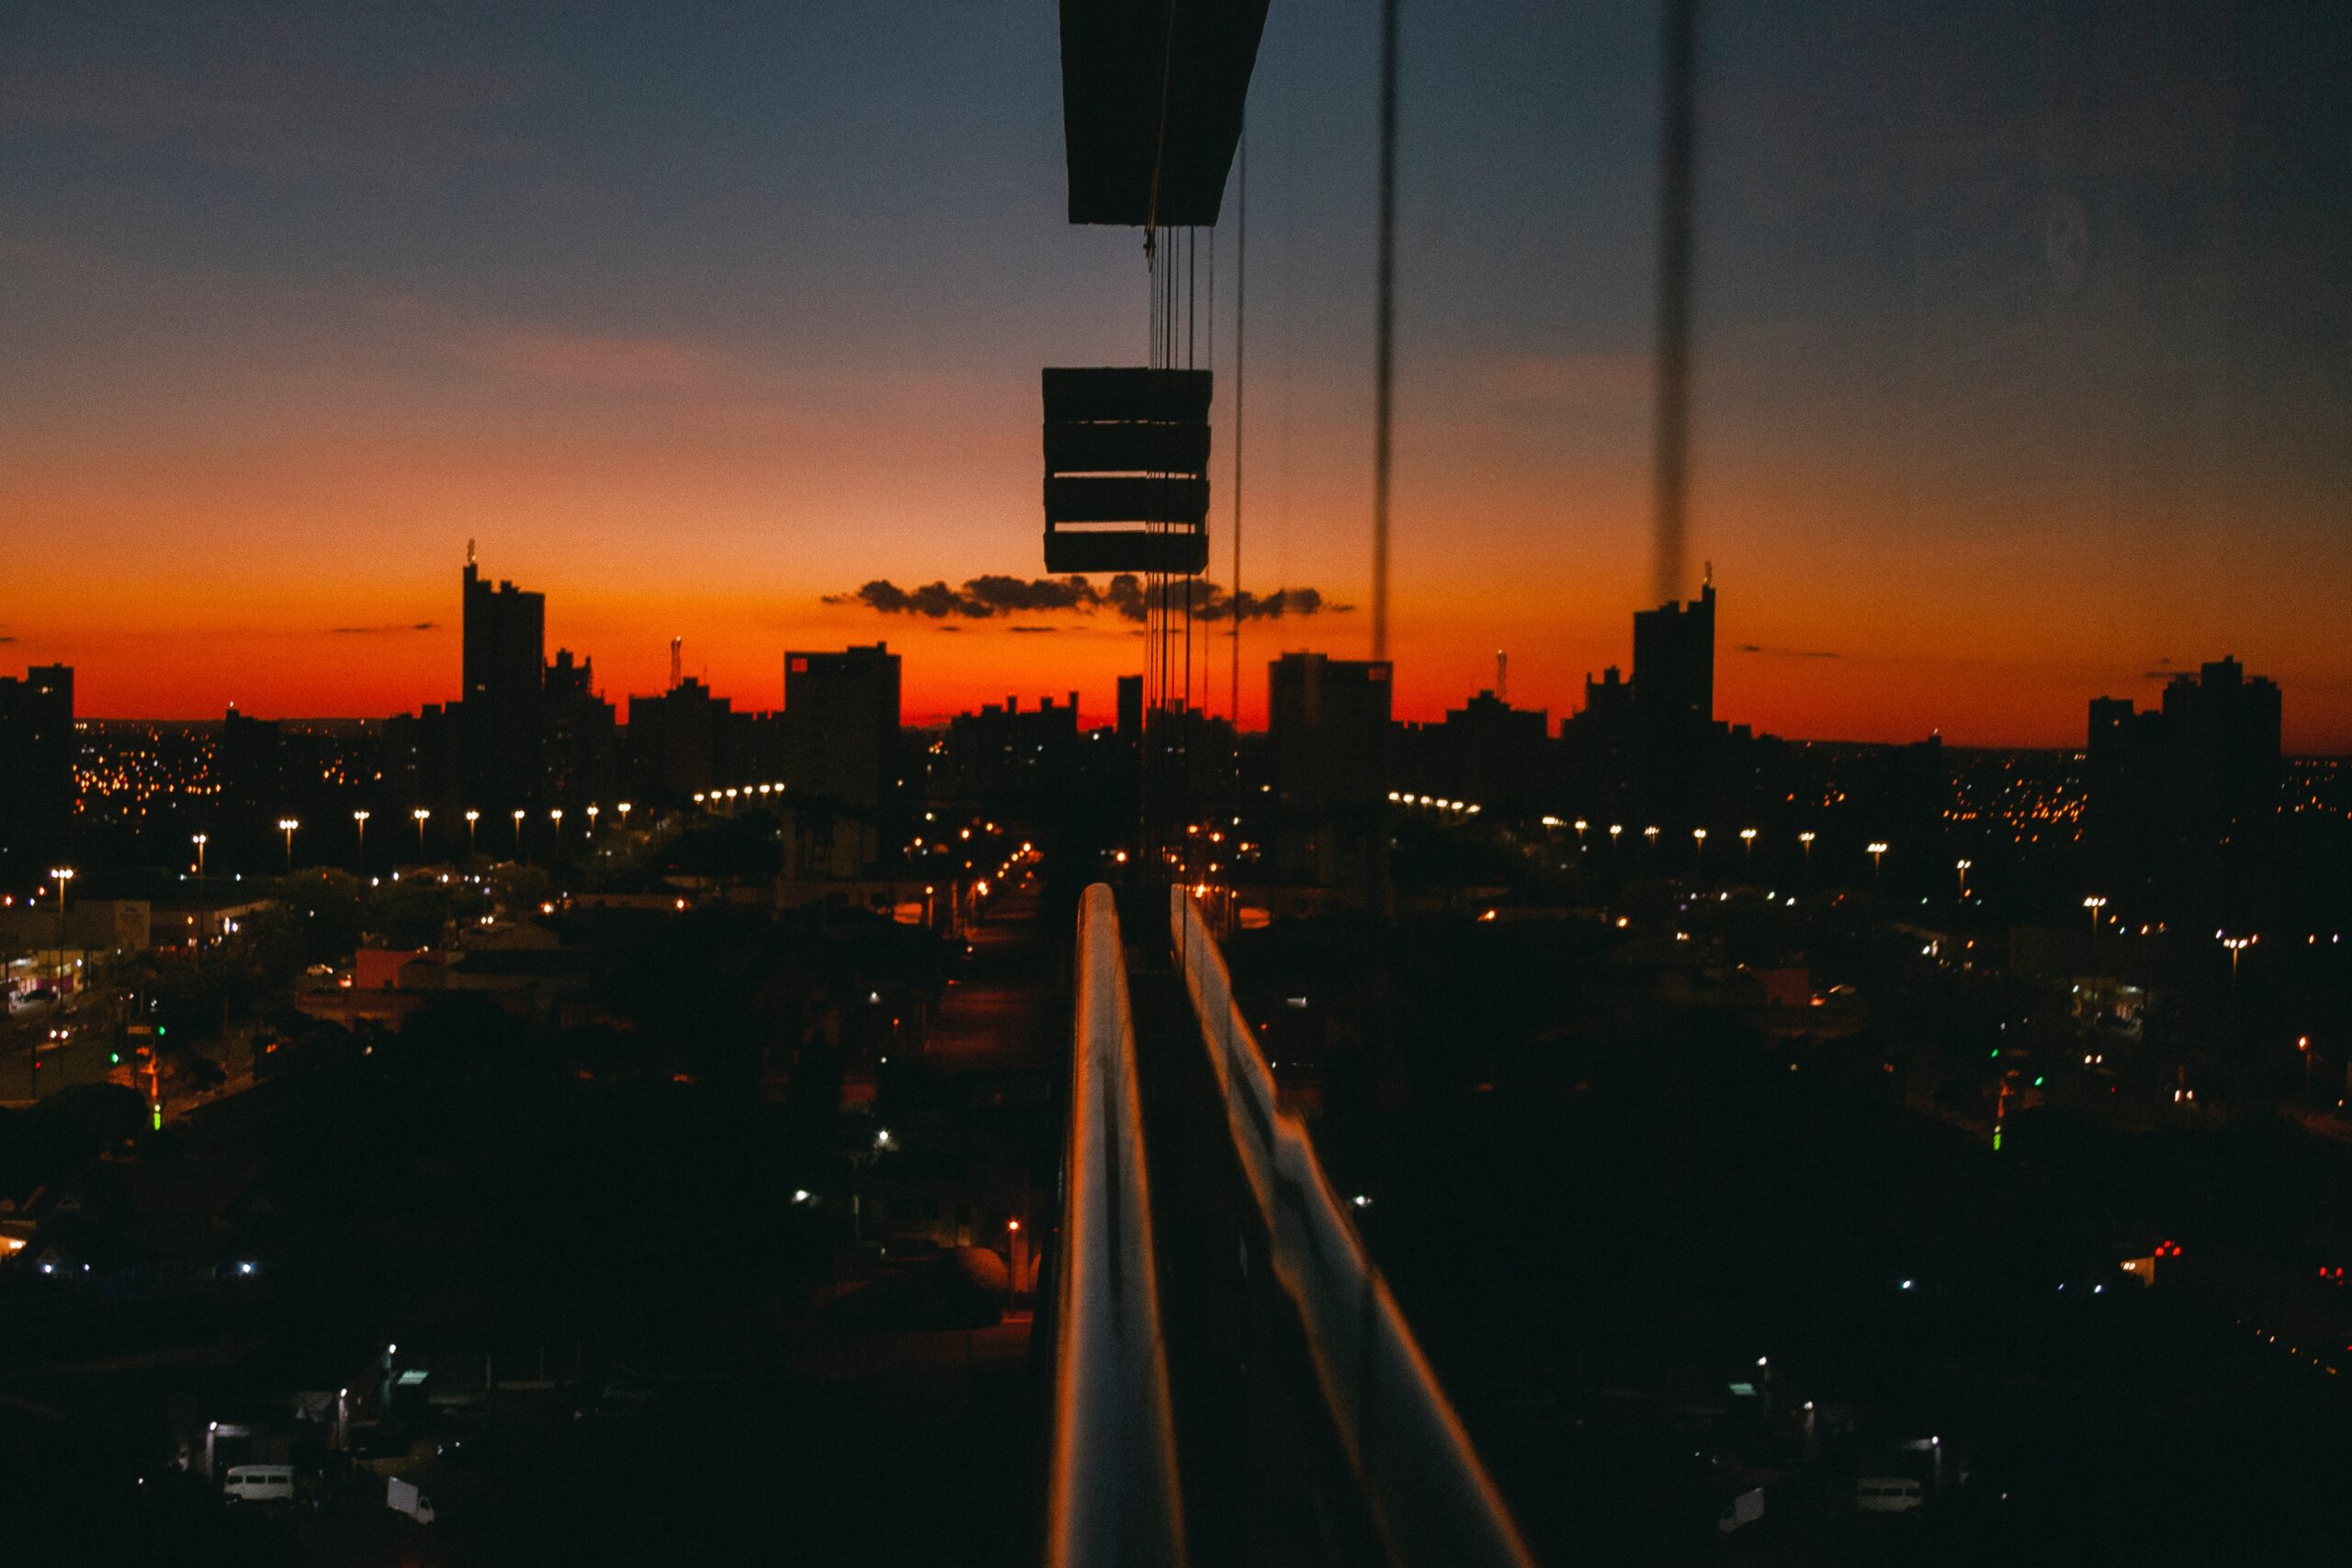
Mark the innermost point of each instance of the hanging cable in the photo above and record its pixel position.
(1241, 364)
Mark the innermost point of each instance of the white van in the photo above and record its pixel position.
(1887, 1495)
(259, 1483)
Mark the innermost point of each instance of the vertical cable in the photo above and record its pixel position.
(1240, 362)
(1385, 347)
(1678, 115)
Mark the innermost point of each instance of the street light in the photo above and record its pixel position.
(1747, 845)
(1698, 847)
(2094, 903)
(420, 814)
(1614, 828)
(623, 809)
(471, 818)
(2303, 1044)
(592, 819)
(200, 839)
(1963, 865)
(360, 819)
(1580, 826)
(518, 832)
(287, 825)
(1877, 847)
(2236, 944)
(1805, 839)
(1651, 834)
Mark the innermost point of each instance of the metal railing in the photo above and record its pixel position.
(1112, 1492)
(1430, 1497)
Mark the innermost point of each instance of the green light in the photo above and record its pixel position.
(115, 1057)
(159, 1122)
(1996, 1052)
(1996, 1138)
(2037, 1083)
(161, 1030)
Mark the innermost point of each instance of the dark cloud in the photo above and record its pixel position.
(1125, 595)
(1788, 652)
(376, 631)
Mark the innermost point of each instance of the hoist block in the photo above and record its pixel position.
(1126, 470)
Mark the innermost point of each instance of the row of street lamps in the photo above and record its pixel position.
(421, 815)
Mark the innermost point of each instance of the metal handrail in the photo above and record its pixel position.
(1112, 1497)
(1429, 1495)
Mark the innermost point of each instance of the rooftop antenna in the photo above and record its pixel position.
(676, 645)
(470, 552)
(1502, 676)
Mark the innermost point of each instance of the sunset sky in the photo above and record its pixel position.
(2022, 369)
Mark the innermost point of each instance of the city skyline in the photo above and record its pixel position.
(297, 308)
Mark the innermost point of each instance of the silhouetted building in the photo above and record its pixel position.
(1130, 715)
(1501, 755)
(1674, 702)
(582, 760)
(2204, 763)
(674, 741)
(1006, 752)
(250, 768)
(841, 724)
(504, 648)
(418, 760)
(1326, 723)
(37, 751)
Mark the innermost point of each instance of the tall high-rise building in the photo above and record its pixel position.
(1674, 664)
(1674, 706)
(1130, 708)
(504, 644)
(581, 748)
(2204, 763)
(841, 724)
(1326, 726)
(38, 746)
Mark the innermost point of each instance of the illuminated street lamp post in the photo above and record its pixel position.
(1651, 834)
(592, 819)
(1580, 826)
(623, 809)
(1747, 846)
(2094, 903)
(62, 874)
(420, 814)
(2303, 1044)
(287, 825)
(1964, 865)
(359, 819)
(1877, 847)
(1614, 828)
(1012, 1268)
(2236, 944)
(1805, 839)
(473, 819)
(554, 814)
(1698, 847)
(200, 839)
(518, 833)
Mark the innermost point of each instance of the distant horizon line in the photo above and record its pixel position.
(1998, 747)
